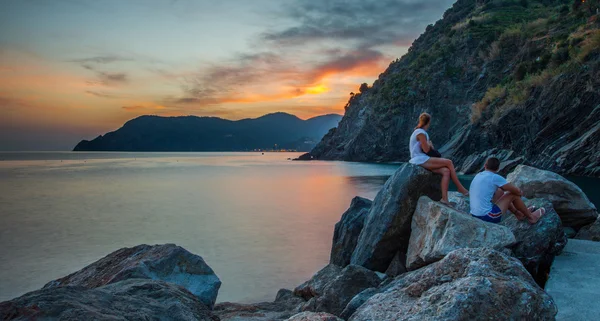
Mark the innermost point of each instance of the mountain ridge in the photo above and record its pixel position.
(207, 133)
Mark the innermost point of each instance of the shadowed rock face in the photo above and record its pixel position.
(537, 244)
(387, 225)
(169, 263)
(438, 230)
(468, 284)
(590, 232)
(569, 201)
(347, 230)
(132, 299)
(284, 306)
(314, 316)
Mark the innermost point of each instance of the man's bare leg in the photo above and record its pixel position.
(509, 199)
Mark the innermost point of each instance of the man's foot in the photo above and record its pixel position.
(537, 215)
(519, 215)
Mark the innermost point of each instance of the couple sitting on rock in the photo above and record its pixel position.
(491, 195)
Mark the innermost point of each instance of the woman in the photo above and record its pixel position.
(420, 146)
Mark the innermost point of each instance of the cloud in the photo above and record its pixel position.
(323, 39)
(106, 78)
(101, 59)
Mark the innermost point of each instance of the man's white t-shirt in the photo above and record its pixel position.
(482, 190)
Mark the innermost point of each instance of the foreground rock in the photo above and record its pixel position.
(314, 316)
(286, 304)
(438, 230)
(132, 299)
(316, 285)
(333, 295)
(169, 263)
(590, 232)
(468, 284)
(386, 229)
(347, 230)
(569, 201)
(537, 244)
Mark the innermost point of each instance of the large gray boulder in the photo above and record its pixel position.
(468, 284)
(537, 244)
(569, 201)
(132, 299)
(438, 230)
(168, 262)
(286, 304)
(314, 316)
(347, 230)
(352, 280)
(590, 232)
(357, 301)
(387, 226)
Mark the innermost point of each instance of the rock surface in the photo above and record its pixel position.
(336, 294)
(398, 265)
(387, 226)
(590, 232)
(316, 285)
(537, 244)
(132, 299)
(347, 230)
(357, 301)
(468, 284)
(314, 316)
(168, 262)
(569, 201)
(286, 304)
(438, 230)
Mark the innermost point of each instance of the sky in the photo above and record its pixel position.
(76, 69)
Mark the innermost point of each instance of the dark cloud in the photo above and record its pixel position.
(105, 78)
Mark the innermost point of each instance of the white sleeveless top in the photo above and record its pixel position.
(417, 156)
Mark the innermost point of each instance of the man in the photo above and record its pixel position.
(491, 196)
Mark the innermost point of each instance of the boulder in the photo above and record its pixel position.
(315, 286)
(314, 316)
(438, 230)
(304, 157)
(387, 226)
(569, 201)
(131, 299)
(286, 304)
(468, 284)
(537, 244)
(357, 301)
(168, 262)
(461, 202)
(352, 280)
(347, 231)
(590, 232)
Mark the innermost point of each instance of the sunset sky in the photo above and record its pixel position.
(74, 69)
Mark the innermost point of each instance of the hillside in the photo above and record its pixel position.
(518, 75)
(190, 133)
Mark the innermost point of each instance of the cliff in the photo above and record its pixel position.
(523, 76)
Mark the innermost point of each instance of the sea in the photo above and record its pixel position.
(261, 221)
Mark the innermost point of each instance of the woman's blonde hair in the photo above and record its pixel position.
(424, 120)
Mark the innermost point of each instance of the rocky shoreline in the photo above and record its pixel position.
(402, 256)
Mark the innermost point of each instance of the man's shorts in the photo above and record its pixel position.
(494, 216)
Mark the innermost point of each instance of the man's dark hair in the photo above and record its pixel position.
(492, 164)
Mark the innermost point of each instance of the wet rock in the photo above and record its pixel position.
(347, 230)
(387, 226)
(438, 230)
(537, 244)
(468, 284)
(131, 299)
(168, 262)
(314, 316)
(590, 232)
(286, 304)
(569, 201)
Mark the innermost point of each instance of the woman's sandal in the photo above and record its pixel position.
(541, 212)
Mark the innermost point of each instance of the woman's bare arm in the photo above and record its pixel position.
(424, 143)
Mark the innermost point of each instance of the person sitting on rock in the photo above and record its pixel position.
(491, 196)
(420, 146)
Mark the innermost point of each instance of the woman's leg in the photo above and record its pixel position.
(445, 172)
(435, 163)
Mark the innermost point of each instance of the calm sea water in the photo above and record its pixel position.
(261, 222)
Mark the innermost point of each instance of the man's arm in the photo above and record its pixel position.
(512, 189)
